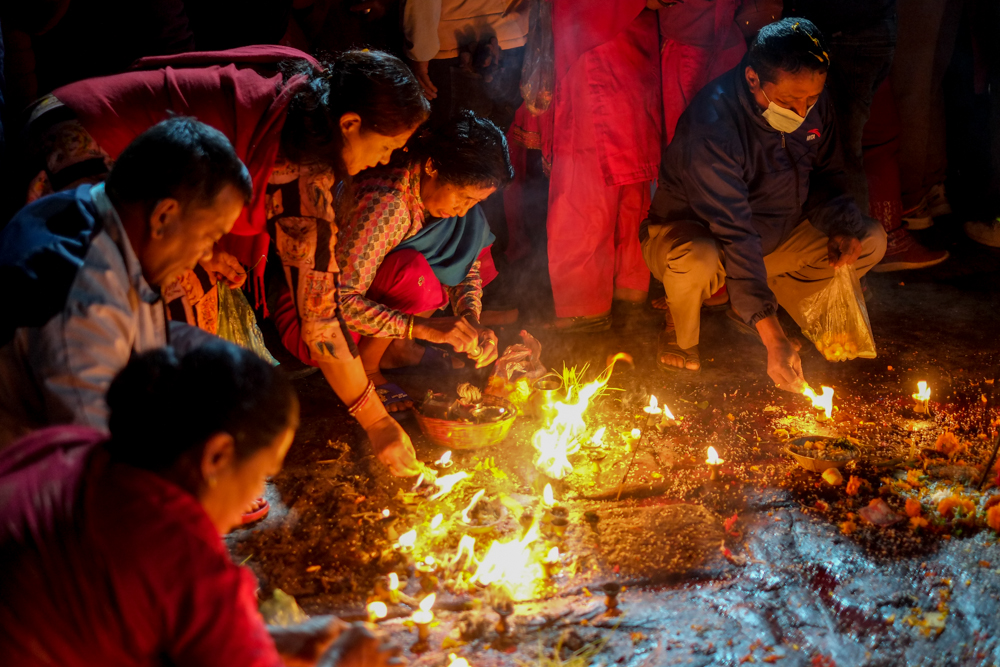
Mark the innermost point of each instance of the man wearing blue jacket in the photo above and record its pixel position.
(752, 195)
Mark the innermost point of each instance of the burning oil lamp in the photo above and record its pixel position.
(445, 461)
(714, 464)
(633, 438)
(423, 618)
(427, 569)
(922, 398)
(552, 562)
(822, 401)
(456, 661)
(611, 591)
(559, 525)
(377, 611)
(652, 411)
(393, 586)
(407, 541)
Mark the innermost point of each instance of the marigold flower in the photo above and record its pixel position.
(948, 506)
(993, 517)
(918, 522)
(913, 508)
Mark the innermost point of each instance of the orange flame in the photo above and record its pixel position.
(377, 610)
(447, 483)
(424, 614)
(407, 540)
(652, 408)
(456, 661)
(598, 438)
(923, 392)
(510, 564)
(393, 581)
(822, 402)
(437, 521)
(548, 497)
(472, 505)
(713, 457)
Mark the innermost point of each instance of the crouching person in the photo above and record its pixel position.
(753, 196)
(110, 544)
(81, 272)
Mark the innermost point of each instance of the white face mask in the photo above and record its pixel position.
(780, 118)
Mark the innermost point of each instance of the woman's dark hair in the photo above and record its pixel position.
(467, 150)
(377, 86)
(163, 407)
(789, 45)
(180, 158)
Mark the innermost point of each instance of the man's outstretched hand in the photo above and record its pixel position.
(783, 364)
(843, 250)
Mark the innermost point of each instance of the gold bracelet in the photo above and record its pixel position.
(360, 403)
(409, 331)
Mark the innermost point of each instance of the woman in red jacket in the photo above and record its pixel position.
(111, 548)
(300, 127)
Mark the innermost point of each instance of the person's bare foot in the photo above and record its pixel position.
(380, 380)
(402, 353)
(670, 355)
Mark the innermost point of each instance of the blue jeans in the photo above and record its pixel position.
(860, 62)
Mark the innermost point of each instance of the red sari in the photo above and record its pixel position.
(109, 565)
(606, 119)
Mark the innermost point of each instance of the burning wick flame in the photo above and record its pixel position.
(393, 581)
(447, 483)
(445, 460)
(424, 614)
(456, 661)
(377, 610)
(407, 540)
(385, 513)
(667, 414)
(437, 521)
(923, 392)
(713, 457)
(636, 434)
(548, 497)
(510, 564)
(598, 438)
(824, 402)
(652, 408)
(472, 505)
(466, 546)
(553, 555)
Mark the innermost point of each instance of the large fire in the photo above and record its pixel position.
(511, 565)
(555, 443)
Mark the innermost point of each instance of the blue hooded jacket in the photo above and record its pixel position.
(751, 185)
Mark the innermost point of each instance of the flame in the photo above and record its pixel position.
(472, 505)
(548, 497)
(447, 483)
(377, 609)
(407, 540)
(636, 434)
(456, 661)
(667, 414)
(510, 564)
(713, 457)
(466, 546)
(560, 439)
(445, 460)
(424, 614)
(429, 560)
(553, 555)
(393, 581)
(437, 521)
(923, 392)
(824, 402)
(386, 513)
(598, 438)
(652, 408)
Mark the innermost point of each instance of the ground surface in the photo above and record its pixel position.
(798, 579)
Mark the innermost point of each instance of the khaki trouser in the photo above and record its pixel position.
(688, 260)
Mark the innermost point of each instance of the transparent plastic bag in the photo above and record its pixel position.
(538, 74)
(238, 324)
(837, 320)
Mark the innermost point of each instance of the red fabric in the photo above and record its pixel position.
(404, 281)
(221, 89)
(701, 42)
(113, 566)
(880, 145)
(605, 151)
(581, 25)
